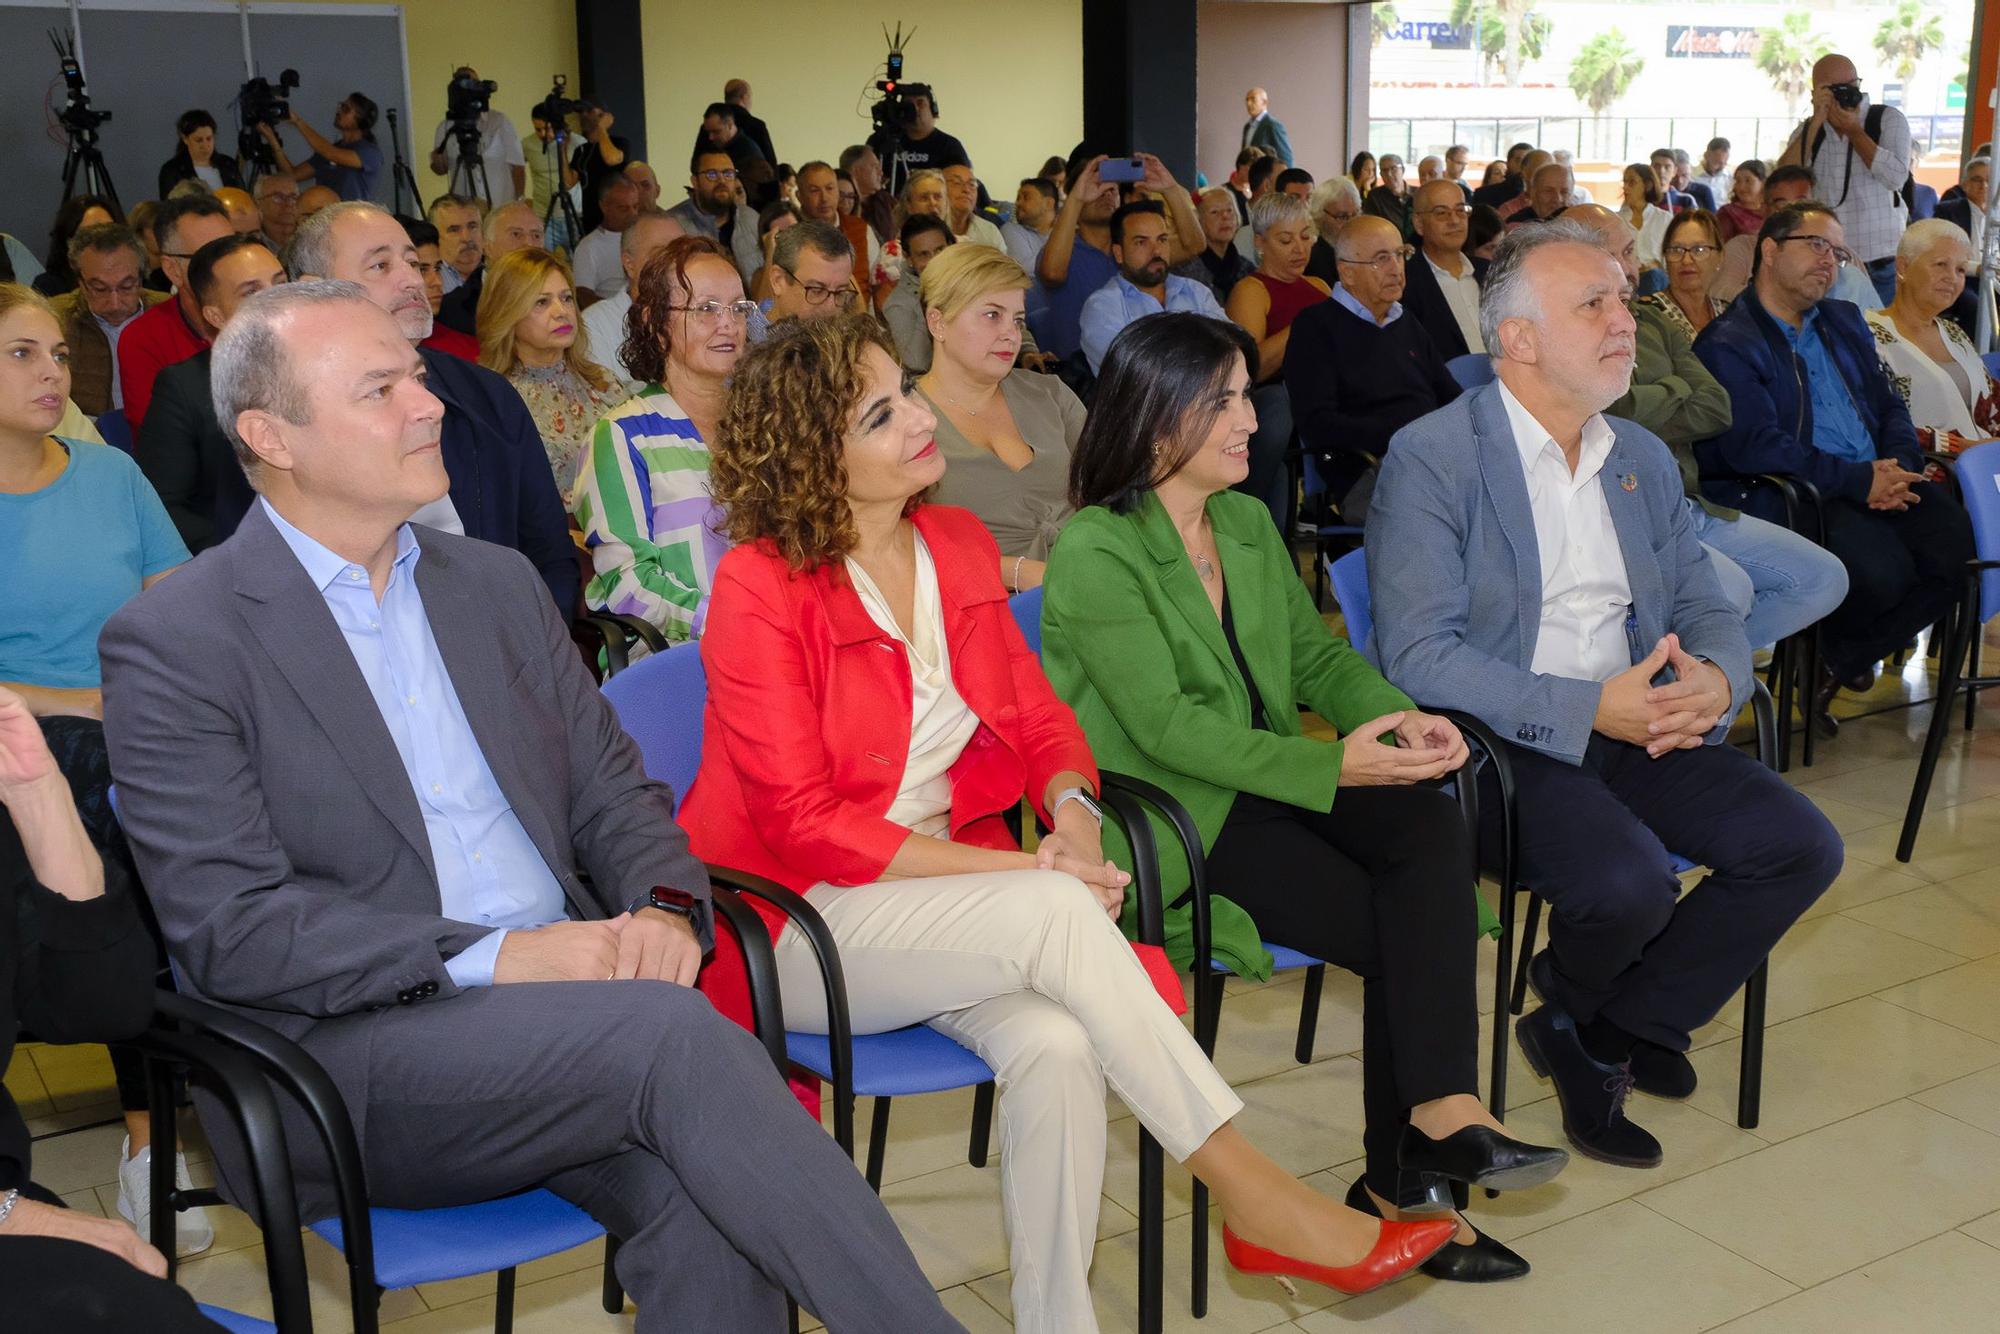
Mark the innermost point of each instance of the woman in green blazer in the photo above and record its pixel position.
(1175, 624)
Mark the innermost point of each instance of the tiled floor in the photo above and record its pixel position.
(1867, 1200)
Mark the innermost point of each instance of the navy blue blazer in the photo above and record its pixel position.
(1423, 298)
(1771, 427)
(501, 482)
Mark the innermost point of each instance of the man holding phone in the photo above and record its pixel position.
(1076, 260)
(1860, 157)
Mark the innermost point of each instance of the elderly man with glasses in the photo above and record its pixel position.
(1810, 400)
(1441, 287)
(812, 277)
(1359, 367)
(110, 264)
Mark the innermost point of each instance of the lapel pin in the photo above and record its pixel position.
(1630, 481)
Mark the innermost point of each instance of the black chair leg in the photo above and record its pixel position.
(1920, 791)
(1503, 975)
(982, 1124)
(1972, 673)
(1309, 1012)
(503, 1304)
(161, 1187)
(1750, 1074)
(1808, 686)
(1785, 675)
(1152, 1238)
(614, 1291)
(1524, 953)
(878, 1143)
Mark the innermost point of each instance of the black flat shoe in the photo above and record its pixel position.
(1821, 716)
(1662, 1072)
(1482, 1260)
(1591, 1093)
(1480, 1156)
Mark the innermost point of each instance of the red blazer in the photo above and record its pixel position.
(808, 722)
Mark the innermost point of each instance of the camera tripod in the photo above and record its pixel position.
(468, 173)
(401, 177)
(572, 232)
(84, 171)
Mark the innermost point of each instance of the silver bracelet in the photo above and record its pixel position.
(1017, 572)
(7, 1203)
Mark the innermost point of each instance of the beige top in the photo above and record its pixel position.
(1023, 510)
(940, 721)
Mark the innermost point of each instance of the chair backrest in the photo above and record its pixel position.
(659, 701)
(1652, 280)
(1992, 360)
(1923, 202)
(1471, 370)
(1027, 609)
(1350, 590)
(1979, 484)
(116, 430)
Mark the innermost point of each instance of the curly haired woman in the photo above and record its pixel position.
(873, 713)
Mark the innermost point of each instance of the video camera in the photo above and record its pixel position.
(467, 98)
(893, 112)
(558, 106)
(259, 103)
(77, 117)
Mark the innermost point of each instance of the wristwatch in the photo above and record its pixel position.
(1083, 798)
(676, 901)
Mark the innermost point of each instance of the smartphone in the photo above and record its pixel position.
(1123, 170)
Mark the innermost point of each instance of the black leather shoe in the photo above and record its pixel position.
(1480, 1156)
(1822, 719)
(1482, 1260)
(1661, 1071)
(1592, 1094)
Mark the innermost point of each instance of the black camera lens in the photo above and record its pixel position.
(1848, 95)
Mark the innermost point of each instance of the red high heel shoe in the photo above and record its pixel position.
(1399, 1248)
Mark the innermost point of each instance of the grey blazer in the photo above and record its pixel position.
(1455, 575)
(272, 819)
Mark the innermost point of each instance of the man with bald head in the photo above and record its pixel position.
(1263, 130)
(244, 218)
(508, 228)
(1861, 155)
(647, 181)
(1535, 160)
(1359, 367)
(1441, 287)
(1532, 563)
(316, 197)
(604, 322)
(501, 488)
(1780, 581)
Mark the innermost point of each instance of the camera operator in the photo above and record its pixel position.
(601, 154)
(195, 158)
(500, 147)
(546, 151)
(347, 167)
(1860, 155)
(924, 146)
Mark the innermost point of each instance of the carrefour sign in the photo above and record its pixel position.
(1437, 35)
(1704, 42)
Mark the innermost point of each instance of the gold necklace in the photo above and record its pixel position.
(970, 412)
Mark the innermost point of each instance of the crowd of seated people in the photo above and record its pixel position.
(792, 412)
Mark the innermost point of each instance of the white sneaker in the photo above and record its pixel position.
(192, 1231)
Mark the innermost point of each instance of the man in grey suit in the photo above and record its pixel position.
(380, 807)
(1261, 130)
(1532, 562)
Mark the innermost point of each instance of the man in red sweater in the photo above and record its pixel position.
(171, 331)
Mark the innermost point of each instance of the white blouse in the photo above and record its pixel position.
(1652, 229)
(940, 720)
(1935, 397)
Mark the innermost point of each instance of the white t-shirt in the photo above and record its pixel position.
(499, 151)
(595, 262)
(604, 326)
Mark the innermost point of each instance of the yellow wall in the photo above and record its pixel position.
(1010, 76)
(518, 43)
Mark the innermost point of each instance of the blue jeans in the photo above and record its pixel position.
(1780, 581)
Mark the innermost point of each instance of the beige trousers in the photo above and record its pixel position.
(1024, 968)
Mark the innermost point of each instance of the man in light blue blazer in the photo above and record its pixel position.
(1531, 562)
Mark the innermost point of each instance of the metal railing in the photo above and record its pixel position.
(1619, 138)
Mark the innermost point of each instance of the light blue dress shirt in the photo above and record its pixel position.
(1837, 425)
(1350, 302)
(1118, 303)
(489, 872)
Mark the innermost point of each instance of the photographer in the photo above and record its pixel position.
(545, 149)
(1860, 155)
(195, 158)
(922, 144)
(601, 154)
(501, 151)
(348, 167)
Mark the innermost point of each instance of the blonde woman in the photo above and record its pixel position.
(1005, 433)
(529, 332)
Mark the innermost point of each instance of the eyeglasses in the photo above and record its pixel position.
(1443, 211)
(712, 175)
(1342, 219)
(1384, 262)
(1822, 247)
(717, 310)
(818, 294)
(1700, 251)
(125, 288)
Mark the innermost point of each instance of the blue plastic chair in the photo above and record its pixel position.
(1992, 360)
(234, 1323)
(1923, 203)
(116, 430)
(1652, 280)
(1350, 583)
(1471, 370)
(1978, 473)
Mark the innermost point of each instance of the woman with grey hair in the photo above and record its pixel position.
(1266, 303)
(1953, 401)
(1334, 204)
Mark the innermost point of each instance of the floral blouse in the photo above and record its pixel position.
(566, 409)
(1960, 401)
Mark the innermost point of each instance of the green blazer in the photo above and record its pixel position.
(1131, 643)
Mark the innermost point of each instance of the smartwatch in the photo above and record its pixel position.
(1080, 796)
(676, 901)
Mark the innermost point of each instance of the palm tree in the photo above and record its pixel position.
(1508, 32)
(1603, 70)
(1382, 21)
(1908, 35)
(1787, 54)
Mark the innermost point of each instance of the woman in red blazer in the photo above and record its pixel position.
(872, 714)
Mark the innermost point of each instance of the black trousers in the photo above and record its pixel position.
(56, 1286)
(1904, 568)
(1268, 480)
(1381, 885)
(1593, 841)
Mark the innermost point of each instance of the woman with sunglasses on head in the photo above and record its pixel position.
(642, 498)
